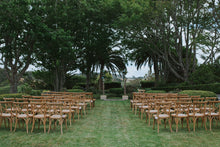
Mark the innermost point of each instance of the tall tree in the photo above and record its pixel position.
(19, 28)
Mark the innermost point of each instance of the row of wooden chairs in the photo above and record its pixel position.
(42, 108)
(176, 108)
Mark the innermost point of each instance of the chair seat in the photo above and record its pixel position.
(143, 107)
(212, 114)
(57, 116)
(6, 115)
(39, 116)
(152, 111)
(161, 116)
(179, 115)
(196, 114)
(76, 107)
(22, 115)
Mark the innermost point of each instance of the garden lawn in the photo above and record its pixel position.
(111, 124)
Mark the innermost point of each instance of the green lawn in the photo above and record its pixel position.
(111, 124)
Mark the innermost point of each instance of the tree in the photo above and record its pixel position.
(19, 28)
(169, 30)
(56, 47)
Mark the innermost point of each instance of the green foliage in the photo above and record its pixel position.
(25, 88)
(43, 79)
(215, 87)
(4, 89)
(109, 85)
(36, 92)
(117, 91)
(12, 95)
(75, 90)
(155, 91)
(147, 84)
(204, 74)
(198, 92)
(75, 80)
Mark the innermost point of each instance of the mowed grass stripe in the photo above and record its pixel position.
(111, 124)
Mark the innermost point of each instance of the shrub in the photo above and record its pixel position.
(116, 90)
(130, 88)
(12, 95)
(4, 89)
(155, 91)
(198, 92)
(36, 92)
(25, 88)
(109, 85)
(147, 84)
(209, 87)
(75, 90)
(204, 74)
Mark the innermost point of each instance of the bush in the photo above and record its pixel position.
(25, 88)
(117, 91)
(13, 95)
(155, 91)
(4, 89)
(209, 87)
(198, 92)
(36, 92)
(109, 85)
(147, 84)
(75, 90)
(203, 75)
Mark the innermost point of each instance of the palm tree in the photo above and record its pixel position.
(112, 60)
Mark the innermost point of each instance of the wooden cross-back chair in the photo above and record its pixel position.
(213, 113)
(181, 113)
(40, 113)
(6, 113)
(57, 115)
(152, 109)
(22, 113)
(198, 111)
(162, 113)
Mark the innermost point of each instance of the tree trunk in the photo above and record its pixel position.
(156, 70)
(56, 83)
(13, 87)
(100, 78)
(87, 80)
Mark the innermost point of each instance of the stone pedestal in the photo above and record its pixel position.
(103, 97)
(124, 97)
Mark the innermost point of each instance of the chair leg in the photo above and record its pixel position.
(153, 123)
(149, 119)
(158, 125)
(33, 125)
(170, 125)
(44, 122)
(26, 121)
(49, 126)
(176, 121)
(210, 124)
(187, 121)
(164, 123)
(16, 121)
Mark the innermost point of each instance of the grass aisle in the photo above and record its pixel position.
(110, 124)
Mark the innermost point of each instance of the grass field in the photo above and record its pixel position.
(111, 124)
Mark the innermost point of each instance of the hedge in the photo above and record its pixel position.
(75, 90)
(207, 87)
(12, 95)
(109, 85)
(155, 91)
(198, 92)
(147, 84)
(116, 90)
